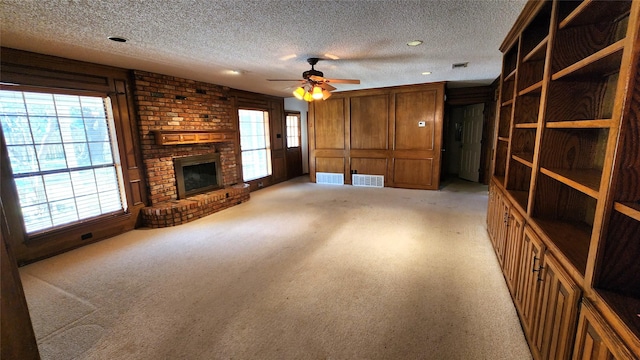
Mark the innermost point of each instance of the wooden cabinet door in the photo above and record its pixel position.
(557, 312)
(501, 236)
(527, 285)
(513, 247)
(595, 340)
(492, 213)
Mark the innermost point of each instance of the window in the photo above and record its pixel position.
(63, 156)
(254, 143)
(293, 131)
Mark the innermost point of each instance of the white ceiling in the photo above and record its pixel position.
(266, 39)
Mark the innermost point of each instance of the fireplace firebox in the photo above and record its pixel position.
(197, 174)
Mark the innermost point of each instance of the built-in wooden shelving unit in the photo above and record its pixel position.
(567, 160)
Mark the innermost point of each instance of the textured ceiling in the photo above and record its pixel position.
(267, 39)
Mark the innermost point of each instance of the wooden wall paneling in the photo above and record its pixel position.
(369, 122)
(278, 131)
(329, 124)
(369, 166)
(17, 338)
(330, 164)
(412, 108)
(413, 173)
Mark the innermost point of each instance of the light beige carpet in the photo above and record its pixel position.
(301, 271)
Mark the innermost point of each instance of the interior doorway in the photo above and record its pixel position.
(464, 141)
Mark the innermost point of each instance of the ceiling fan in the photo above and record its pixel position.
(314, 85)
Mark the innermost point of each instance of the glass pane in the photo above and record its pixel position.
(16, 129)
(12, 102)
(58, 186)
(96, 129)
(72, 129)
(84, 183)
(31, 190)
(39, 104)
(67, 105)
(23, 159)
(36, 217)
(51, 157)
(88, 206)
(63, 212)
(77, 155)
(45, 130)
(110, 201)
(100, 153)
(106, 179)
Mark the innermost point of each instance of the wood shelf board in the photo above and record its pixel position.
(604, 61)
(572, 239)
(526, 126)
(579, 124)
(507, 103)
(586, 181)
(502, 138)
(510, 76)
(589, 12)
(538, 53)
(626, 307)
(525, 159)
(632, 210)
(532, 89)
(177, 137)
(521, 197)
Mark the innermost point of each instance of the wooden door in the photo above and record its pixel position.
(557, 312)
(513, 248)
(527, 285)
(472, 124)
(595, 340)
(293, 143)
(417, 140)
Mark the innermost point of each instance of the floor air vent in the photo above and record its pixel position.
(367, 180)
(329, 178)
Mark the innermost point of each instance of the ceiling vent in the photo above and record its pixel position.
(459, 65)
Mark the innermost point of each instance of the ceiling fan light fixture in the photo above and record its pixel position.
(316, 93)
(325, 94)
(307, 97)
(299, 93)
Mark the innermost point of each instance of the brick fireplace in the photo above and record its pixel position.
(170, 104)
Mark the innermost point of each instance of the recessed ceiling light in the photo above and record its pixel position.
(117, 39)
(414, 42)
(236, 72)
(288, 57)
(426, 73)
(332, 57)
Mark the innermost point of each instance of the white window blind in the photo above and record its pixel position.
(254, 144)
(63, 155)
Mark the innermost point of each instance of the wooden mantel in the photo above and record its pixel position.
(177, 137)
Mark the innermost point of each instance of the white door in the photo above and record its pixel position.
(472, 120)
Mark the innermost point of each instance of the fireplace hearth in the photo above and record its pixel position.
(197, 174)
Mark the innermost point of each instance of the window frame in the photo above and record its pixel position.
(298, 129)
(267, 141)
(114, 142)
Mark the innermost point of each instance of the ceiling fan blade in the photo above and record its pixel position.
(316, 78)
(327, 87)
(342, 81)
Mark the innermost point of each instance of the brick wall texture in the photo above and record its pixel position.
(170, 103)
